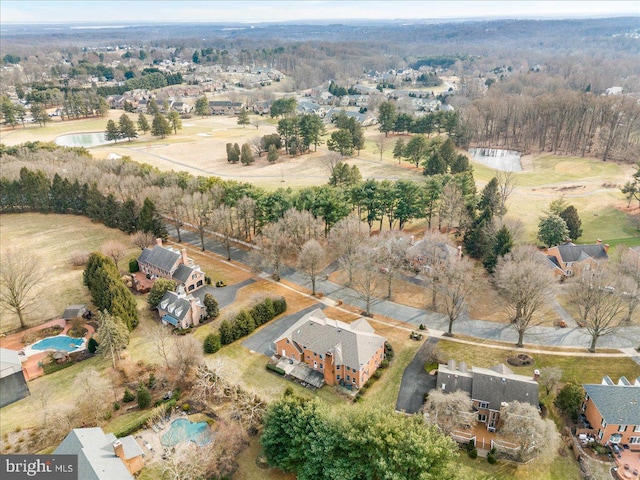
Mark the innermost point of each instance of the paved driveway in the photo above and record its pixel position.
(262, 340)
(415, 381)
(224, 295)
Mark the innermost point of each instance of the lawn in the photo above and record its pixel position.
(583, 369)
(53, 238)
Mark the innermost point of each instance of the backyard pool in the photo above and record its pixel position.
(60, 343)
(182, 430)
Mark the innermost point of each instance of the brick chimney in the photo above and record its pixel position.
(329, 369)
(599, 241)
(159, 242)
(195, 311)
(118, 449)
(606, 247)
(536, 375)
(185, 259)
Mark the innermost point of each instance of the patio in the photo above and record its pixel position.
(628, 464)
(302, 372)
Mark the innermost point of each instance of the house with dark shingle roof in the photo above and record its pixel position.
(344, 353)
(13, 386)
(166, 262)
(614, 411)
(180, 309)
(102, 456)
(489, 388)
(564, 258)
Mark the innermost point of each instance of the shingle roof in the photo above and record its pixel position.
(617, 404)
(9, 362)
(499, 384)
(454, 379)
(351, 347)
(175, 305)
(182, 273)
(577, 253)
(159, 257)
(96, 457)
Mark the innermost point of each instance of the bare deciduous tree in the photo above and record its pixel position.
(449, 411)
(521, 424)
(344, 238)
(380, 143)
(114, 249)
(162, 340)
(301, 226)
(434, 255)
(93, 386)
(526, 285)
(392, 258)
(459, 281)
(170, 203)
(311, 259)
(246, 213)
(222, 224)
(112, 336)
(198, 207)
(20, 277)
(367, 276)
(506, 185)
(187, 353)
(274, 246)
(142, 240)
(549, 377)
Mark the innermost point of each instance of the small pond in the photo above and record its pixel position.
(89, 139)
(497, 158)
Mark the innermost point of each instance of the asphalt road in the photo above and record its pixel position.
(415, 381)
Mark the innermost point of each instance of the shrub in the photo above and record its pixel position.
(491, 458)
(384, 364)
(279, 306)
(207, 279)
(186, 407)
(92, 345)
(388, 351)
(212, 343)
(473, 453)
(133, 266)
(377, 374)
(422, 327)
(227, 334)
(152, 381)
(116, 406)
(569, 400)
(128, 396)
(271, 367)
(211, 304)
(79, 258)
(144, 397)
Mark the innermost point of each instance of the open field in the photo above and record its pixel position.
(53, 238)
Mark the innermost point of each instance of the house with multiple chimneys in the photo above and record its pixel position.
(102, 456)
(489, 388)
(343, 353)
(566, 257)
(613, 410)
(167, 262)
(181, 309)
(423, 254)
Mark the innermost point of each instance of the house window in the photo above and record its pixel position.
(600, 434)
(308, 357)
(321, 367)
(636, 428)
(194, 276)
(287, 341)
(338, 367)
(604, 424)
(482, 418)
(353, 380)
(634, 440)
(615, 438)
(483, 405)
(338, 377)
(315, 354)
(191, 287)
(348, 378)
(320, 357)
(199, 284)
(622, 428)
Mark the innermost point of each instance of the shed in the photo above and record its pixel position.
(74, 311)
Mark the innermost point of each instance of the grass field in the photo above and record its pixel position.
(53, 238)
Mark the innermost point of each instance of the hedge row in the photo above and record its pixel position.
(248, 320)
(273, 368)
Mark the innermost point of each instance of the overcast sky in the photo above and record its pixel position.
(12, 11)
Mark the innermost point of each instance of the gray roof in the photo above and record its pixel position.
(618, 405)
(96, 457)
(9, 362)
(351, 346)
(182, 273)
(578, 253)
(494, 386)
(175, 304)
(159, 257)
(73, 311)
(499, 384)
(422, 248)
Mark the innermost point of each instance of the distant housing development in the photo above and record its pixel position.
(344, 353)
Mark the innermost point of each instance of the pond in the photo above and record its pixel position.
(497, 158)
(89, 139)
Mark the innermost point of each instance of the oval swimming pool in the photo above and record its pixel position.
(60, 343)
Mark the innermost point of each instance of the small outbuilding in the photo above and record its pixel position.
(74, 311)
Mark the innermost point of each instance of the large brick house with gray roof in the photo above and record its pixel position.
(343, 353)
(180, 309)
(564, 258)
(102, 456)
(613, 410)
(167, 262)
(489, 388)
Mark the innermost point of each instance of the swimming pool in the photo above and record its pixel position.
(182, 430)
(60, 342)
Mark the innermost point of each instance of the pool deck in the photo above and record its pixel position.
(30, 363)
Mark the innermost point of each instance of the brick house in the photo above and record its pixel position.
(180, 309)
(614, 411)
(102, 456)
(422, 254)
(489, 388)
(567, 256)
(343, 353)
(167, 262)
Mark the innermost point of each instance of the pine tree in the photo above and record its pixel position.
(143, 124)
(160, 127)
(246, 156)
(127, 128)
(150, 220)
(572, 219)
(112, 132)
(174, 121)
(272, 154)
(243, 117)
(112, 336)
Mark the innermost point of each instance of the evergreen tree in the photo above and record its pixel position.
(211, 304)
(144, 397)
(246, 157)
(501, 244)
(126, 127)
(552, 230)
(243, 117)
(160, 287)
(150, 220)
(160, 127)
(572, 219)
(202, 106)
(226, 332)
(386, 117)
(212, 343)
(435, 164)
(398, 150)
(112, 132)
(143, 124)
(112, 336)
(272, 154)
